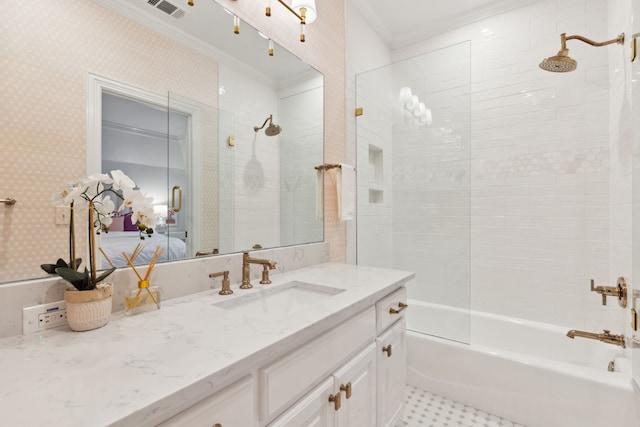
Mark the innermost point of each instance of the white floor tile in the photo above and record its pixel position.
(425, 409)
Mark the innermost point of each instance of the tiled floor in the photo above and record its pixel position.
(424, 409)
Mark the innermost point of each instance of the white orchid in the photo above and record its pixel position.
(90, 192)
(122, 181)
(135, 200)
(145, 216)
(104, 208)
(90, 189)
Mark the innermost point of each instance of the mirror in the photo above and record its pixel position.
(240, 187)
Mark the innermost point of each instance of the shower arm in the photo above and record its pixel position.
(564, 38)
(269, 119)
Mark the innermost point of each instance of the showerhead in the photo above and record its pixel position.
(271, 130)
(561, 63)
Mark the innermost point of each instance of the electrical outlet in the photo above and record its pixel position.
(63, 215)
(43, 316)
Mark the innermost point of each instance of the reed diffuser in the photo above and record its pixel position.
(146, 297)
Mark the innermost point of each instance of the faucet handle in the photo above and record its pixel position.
(619, 291)
(226, 283)
(265, 275)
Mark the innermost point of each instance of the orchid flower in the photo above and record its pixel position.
(90, 192)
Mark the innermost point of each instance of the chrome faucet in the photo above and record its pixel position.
(604, 337)
(246, 273)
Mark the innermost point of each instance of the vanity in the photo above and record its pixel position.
(322, 345)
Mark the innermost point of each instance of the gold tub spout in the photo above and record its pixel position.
(604, 337)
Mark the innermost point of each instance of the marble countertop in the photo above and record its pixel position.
(138, 370)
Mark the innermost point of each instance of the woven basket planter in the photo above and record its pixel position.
(87, 310)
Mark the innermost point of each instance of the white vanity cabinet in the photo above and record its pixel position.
(232, 406)
(392, 374)
(355, 383)
(346, 399)
(292, 376)
(227, 365)
(366, 390)
(391, 358)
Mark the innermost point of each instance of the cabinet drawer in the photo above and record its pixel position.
(231, 407)
(287, 379)
(390, 308)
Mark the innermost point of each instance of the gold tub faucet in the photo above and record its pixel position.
(246, 273)
(604, 337)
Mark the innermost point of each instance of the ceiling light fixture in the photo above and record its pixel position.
(304, 10)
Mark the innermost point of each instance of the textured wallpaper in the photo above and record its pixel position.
(47, 52)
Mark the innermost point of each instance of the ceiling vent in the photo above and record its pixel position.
(167, 7)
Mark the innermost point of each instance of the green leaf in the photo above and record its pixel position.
(104, 276)
(81, 281)
(51, 268)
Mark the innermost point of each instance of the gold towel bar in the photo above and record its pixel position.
(328, 166)
(8, 201)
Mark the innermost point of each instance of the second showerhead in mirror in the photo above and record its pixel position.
(271, 130)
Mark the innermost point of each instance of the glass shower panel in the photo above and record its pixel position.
(413, 156)
(192, 198)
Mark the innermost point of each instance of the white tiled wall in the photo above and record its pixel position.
(272, 177)
(301, 146)
(256, 161)
(621, 123)
(549, 168)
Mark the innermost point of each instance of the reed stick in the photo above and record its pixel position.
(106, 257)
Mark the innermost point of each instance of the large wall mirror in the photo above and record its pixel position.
(224, 136)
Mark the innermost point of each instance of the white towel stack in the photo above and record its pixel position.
(346, 187)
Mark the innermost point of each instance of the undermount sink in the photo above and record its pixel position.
(280, 301)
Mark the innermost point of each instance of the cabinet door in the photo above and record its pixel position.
(392, 374)
(356, 381)
(313, 410)
(231, 407)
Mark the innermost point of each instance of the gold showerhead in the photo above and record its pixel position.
(271, 130)
(562, 62)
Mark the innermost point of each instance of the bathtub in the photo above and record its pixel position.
(527, 372)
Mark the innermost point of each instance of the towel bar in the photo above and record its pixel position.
(8, 201)
(328, 166)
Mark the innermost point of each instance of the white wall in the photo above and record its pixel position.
(620, 19)
(256, 162)
(547, 211)
(301, 112)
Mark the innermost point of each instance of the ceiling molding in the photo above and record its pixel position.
(431, 28)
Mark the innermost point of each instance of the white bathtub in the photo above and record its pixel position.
(527, 372)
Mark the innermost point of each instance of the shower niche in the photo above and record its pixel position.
(376, 177)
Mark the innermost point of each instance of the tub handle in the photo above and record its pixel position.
(387, 349)
(401, 306)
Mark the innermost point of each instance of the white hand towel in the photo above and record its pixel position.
(320, 194)
(346, 187)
